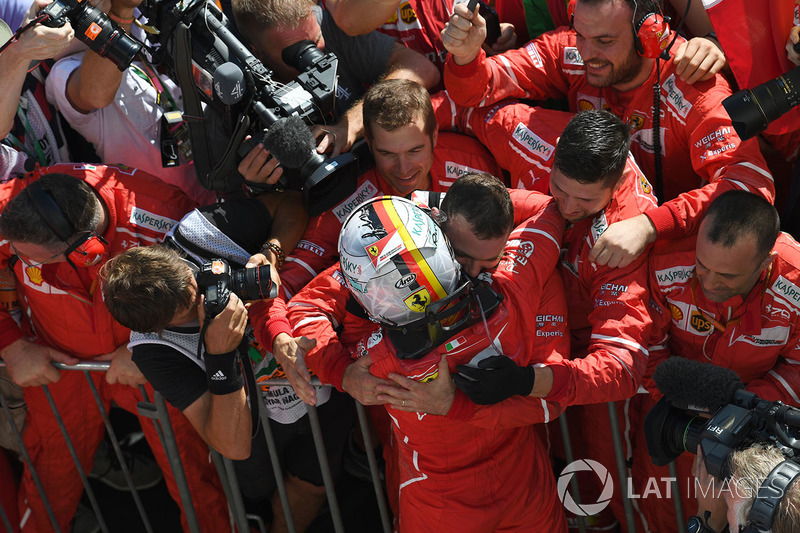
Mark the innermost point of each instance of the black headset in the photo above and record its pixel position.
(84, 251)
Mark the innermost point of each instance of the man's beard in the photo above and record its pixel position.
(620, 74)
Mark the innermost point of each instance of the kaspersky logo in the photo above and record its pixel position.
(585, 509)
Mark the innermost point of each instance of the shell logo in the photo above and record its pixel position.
(585, 105)
(677, 314)
(34, 275)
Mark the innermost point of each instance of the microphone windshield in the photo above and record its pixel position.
(229, 83)
(290, 141)
(696, 386)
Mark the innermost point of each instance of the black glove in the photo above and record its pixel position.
(496, 378)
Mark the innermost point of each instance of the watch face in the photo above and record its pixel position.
(694, 525)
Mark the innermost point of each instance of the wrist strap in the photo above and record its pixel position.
(279, 255)
(222, 373)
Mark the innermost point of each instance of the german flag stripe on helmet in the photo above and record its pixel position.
(413, 259)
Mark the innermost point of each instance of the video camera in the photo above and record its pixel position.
(739, 418)
(195, 43)
(93, 28)
(216, 279)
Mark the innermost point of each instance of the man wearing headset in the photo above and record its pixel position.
(58, 227)
(610, 59)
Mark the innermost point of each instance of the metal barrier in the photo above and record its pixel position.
(156, 410)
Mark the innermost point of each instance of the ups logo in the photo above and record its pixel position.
(699, 323)
(407, 13)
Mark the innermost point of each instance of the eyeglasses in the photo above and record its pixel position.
(27, 260)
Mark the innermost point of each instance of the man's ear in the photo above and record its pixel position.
(434, 137)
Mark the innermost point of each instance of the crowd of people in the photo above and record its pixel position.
(559, 202)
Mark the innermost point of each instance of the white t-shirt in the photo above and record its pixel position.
(128, 131)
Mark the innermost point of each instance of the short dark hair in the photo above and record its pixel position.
(733, 214)
(483, 201)
(21, 220)
(146, 287)
(593, 147)
(394, 103)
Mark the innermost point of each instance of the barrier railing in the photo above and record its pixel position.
(156, 410)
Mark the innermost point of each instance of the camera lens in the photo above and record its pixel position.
(94, 28)
(252, 283)
(752, 110)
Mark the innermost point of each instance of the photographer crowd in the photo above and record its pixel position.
(472, 217)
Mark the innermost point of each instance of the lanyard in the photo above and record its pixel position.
(733, 321)
(37, 153)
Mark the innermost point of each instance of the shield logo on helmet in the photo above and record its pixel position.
(418, 300)
(373, 250)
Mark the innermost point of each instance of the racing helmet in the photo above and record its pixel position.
(398, 265)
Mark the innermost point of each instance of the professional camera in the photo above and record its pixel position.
(752, 110)
(217, 280)
(93, 27)
(194, 41)
(739, 419)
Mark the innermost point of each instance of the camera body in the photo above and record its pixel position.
(670, 431)
(196, 44)
(93, 27)
(216, 280)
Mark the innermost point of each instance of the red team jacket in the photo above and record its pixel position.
(699, 145)
(608, 316)
(141, 209)
(472, 454)
(762, 340)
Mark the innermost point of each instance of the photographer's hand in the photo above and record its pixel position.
(122, 370)
(794, 38)
(708, 490)
(259, 167)
(261, 259)
(338, 138)
(39, 42)
(291, 354)
(226, 330)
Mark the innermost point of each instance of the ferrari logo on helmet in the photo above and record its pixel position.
(373, 250)
(418, 301)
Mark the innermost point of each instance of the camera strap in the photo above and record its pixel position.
(253, 392)
(191, 105)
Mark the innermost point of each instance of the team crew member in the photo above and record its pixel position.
(409, 154)
(597, 65)
(458, 454)
(59, 226)
(728, 295)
